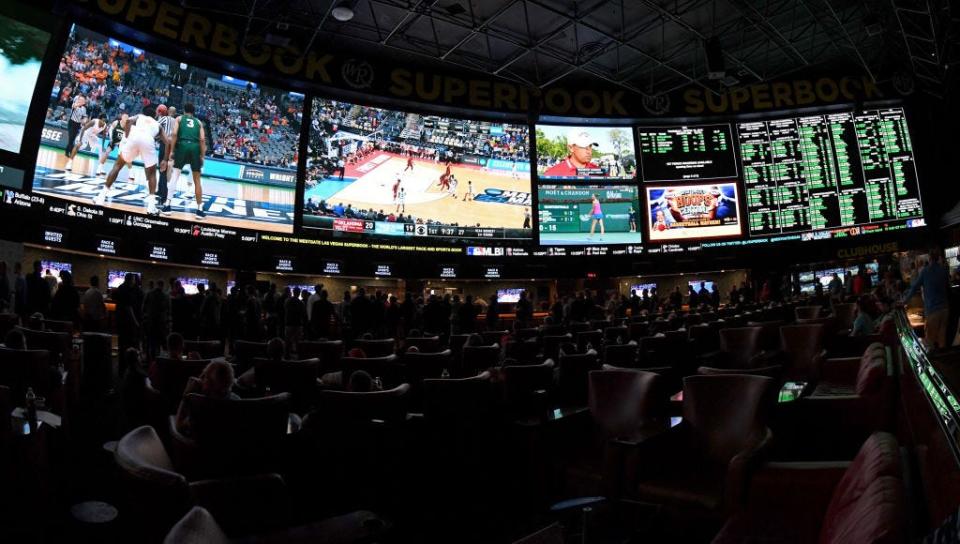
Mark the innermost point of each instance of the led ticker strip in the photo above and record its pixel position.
(941, 398)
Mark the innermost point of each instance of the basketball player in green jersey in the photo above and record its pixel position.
(187, 146)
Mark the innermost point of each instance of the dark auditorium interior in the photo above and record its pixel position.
(479, 271)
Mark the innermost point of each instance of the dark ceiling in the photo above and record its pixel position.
(647, 46)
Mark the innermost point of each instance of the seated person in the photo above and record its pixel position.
(361, 382)
(865, 324)
(357, 353)
(276, 348)
(215, 381)
(175, 348)
(15, 340)
(413, 349)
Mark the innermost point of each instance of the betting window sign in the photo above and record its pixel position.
(383, 270)
(680, 153)
(448, 272)
(209, 257)
(55, 236)
(332, 268)
(158, 252)
(107, 246)
(284, 264)
(492, 272)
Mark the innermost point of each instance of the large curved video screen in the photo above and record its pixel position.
(130, 132)
(378, 173)
(22, 48)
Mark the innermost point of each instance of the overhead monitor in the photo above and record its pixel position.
(235, 148)
(692, 212)
(588, 214)
(379, 173)
(509, 296)
(687, 153)
(830, 175)
(587, 153)
(22, 48)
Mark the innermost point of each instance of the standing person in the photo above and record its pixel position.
(38, 292)
(524, 311)
(396, 188)
(210, 312)
(321, 314)
(65, 305)
(20, 306)
(312, 299)
(633, 219)
(469, 193)
(596, 216)
(5, 291)
(342, 167)
(253, 310)
(401, 201)
(78, 116)
(835, 287)
(294, 317)
(116, 136)
(933, 281)
(93, 311)
(167, 119)
(526, 218)
(51, 280)
(409, 164)
(156, 319)
(493, 313)
(188, 145)
(127, 315)
(89, 137)
(142, 132)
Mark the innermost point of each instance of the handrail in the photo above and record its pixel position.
(942, 399)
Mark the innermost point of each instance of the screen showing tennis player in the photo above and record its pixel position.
(692, 212)
(22, 48)
(374, 172)
(585, 153)
(588, 214)
(130, 131)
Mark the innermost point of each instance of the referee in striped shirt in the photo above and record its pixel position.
(167, 123)
(77, 118)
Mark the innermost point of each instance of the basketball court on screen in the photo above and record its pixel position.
(372, 189)
(227, 203)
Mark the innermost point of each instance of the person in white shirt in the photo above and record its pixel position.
(93, 311)
(142, 133)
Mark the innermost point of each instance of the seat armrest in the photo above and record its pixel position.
(741, 468)
(642, 455)
(803, 488)
(244, 505)
(842, 370)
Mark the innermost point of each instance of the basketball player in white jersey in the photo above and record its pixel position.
(142, 131)
(115, 137)
(89, 138)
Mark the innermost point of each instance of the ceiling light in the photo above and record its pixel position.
(343, 12)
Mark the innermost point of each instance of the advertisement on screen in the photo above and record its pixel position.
(692, 212)
(22, 48)
(374, 172)
(585, 153)
(130, 132)
(584, 215)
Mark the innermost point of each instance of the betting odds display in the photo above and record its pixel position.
(798, 178)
